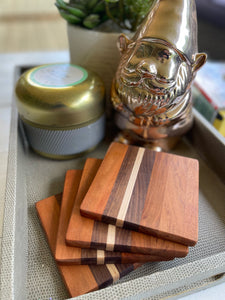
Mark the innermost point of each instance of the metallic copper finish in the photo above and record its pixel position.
(151, 90)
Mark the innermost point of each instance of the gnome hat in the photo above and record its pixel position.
(173, 21)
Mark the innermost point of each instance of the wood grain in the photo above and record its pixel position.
(87, 233)
(79, 279)
(165, 186)
(63, 252)
(68, 255)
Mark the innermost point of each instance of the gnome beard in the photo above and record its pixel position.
(151, 79)
(151, 89)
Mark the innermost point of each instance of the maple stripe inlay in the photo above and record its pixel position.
(111, 235)
(114, 272)
(129, 189)
(100, 257)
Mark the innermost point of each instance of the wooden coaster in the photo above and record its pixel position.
(147, 191)
(66, 254)
(87, 233)
(79, 279)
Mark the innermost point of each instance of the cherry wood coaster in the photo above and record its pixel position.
(143, 190)
(66, 254)
(87, 233)
(79, 279)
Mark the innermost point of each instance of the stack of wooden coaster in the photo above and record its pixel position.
(132, 207)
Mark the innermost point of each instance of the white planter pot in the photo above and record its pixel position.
(96, 51)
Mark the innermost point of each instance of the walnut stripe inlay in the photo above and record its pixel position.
(99, 273)
(124, 241)
(99, 234)
(122, 268)
(140, 190)
(129, 189)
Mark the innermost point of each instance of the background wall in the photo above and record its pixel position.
(36, 25)
(31, 26)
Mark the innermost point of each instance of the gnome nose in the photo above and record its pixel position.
(150, 70)
(147, 69)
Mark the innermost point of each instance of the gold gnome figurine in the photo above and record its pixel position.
(151, 91)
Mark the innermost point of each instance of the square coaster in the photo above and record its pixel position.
(79, 279)
(66, 254)
(147, 191)
(88, 233)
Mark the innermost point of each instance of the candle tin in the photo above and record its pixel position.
(62, 109)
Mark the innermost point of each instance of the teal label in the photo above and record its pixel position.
(58, 75)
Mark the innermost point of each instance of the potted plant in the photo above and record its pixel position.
(93, 29)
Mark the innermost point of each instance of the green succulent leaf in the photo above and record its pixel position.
(76, 11)
(99, 8)
(91, 21)
(111, 1)
(91, 4)
(69, 17)
(61, 4)
(78, 3)
(125, 13)
(72, 9)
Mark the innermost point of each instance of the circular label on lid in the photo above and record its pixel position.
(58, 75)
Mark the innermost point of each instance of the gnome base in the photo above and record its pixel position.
(164, 144)
(155, 138)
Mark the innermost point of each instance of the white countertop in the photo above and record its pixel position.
(8, 63)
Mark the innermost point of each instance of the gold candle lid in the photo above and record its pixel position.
(60, 96)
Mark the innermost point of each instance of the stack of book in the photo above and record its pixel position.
(134, 206)
(208, 94)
